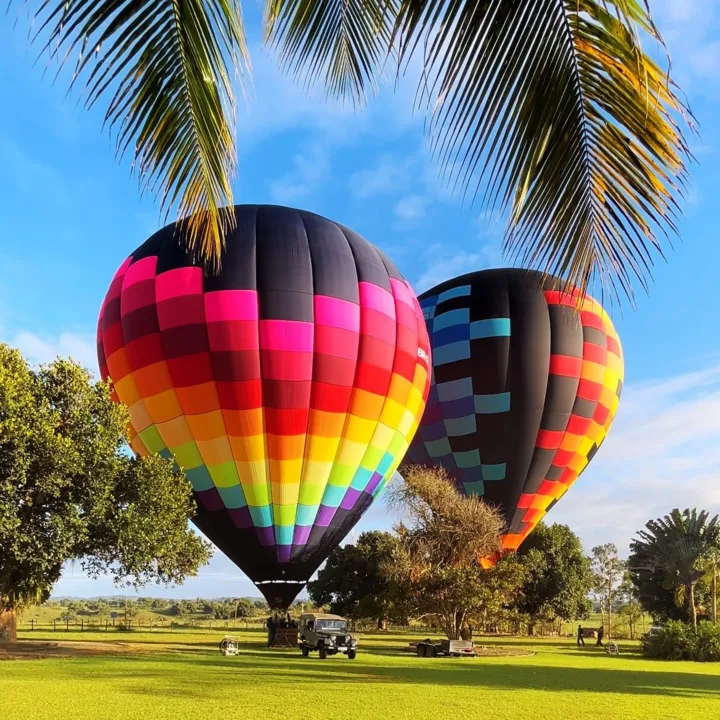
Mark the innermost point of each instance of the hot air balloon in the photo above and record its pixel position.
(527, 377)
(287, 385)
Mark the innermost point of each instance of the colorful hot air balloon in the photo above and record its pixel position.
(287, 386)
(526, 382)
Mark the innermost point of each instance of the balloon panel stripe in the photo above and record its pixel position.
(287, 386)
(489, 359)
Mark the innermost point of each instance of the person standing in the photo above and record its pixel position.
(600, 634)
(580, 638)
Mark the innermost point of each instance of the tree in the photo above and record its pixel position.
(244, 608)
(351, 581)
(710, 565)
(548, 109)
(559, 575)
(68, 491)
(631, 607)
(608, 571)
(435, 563)
(676, 546)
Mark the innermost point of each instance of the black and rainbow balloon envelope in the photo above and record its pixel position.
(526, 382)
(287, 386)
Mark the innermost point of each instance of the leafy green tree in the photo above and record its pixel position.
(710, 565)
(547, 109)
(68, 491)
(608, 571)
(630, 606)
(159, 604)
(177, 609)
(434, 566)
(244, 608)
(559, 575)
(351, 582)
(676, 545)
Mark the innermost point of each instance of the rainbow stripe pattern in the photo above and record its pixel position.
(287, 387)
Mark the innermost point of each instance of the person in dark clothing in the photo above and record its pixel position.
(580, 638)
(271, 627)
(601, 633)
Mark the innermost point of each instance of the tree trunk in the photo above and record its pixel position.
(8, 626)
(531, 628)
(609, 617)
(714, 595)
(693, 609)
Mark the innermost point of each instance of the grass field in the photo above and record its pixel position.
(181, 675)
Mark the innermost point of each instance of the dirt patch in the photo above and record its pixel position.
(39, 650)
(490, 651)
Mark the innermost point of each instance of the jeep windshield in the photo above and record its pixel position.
(331, 625)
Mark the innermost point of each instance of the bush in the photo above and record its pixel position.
(680, 641)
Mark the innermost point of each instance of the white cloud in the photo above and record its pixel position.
(442, 262)
(389, 175)
(310, 170)
(662, 452)
(38, 350)
(278, 103)
(410, 208)
(689, 28)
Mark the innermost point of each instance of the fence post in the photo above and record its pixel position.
(82, 624)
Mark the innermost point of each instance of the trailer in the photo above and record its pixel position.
(445, 648)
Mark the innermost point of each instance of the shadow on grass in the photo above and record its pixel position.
(283, 667)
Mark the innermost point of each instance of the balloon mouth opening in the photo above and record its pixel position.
(280, 594)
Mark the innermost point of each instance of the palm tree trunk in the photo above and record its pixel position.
(693, 609)
(8, 625)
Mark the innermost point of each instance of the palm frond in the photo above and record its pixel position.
(165, 65)
(345, 42)
(552, 110)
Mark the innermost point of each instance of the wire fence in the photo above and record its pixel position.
(120, 623)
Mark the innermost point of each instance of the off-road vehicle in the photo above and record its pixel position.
(328, 634)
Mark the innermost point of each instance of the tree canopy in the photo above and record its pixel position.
(559, 576)
(674, 551)
(608, 571)
(442, 538)
(550, 111)
(351, 582)
(70, 491)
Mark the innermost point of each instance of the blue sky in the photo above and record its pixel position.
(71, 214)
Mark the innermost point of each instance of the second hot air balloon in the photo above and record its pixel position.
(287, 386)
(526, 382)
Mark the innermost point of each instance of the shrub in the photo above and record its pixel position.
(680, 641)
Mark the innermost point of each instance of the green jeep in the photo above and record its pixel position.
(328, 634)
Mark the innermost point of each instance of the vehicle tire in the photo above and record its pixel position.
(421, 650)
(322, 652)
(305, 650)
(351, 654)
(432, 651)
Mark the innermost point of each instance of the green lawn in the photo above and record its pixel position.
(181, 675)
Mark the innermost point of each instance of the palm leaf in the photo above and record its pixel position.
(551, 109)
(345, 42)
(165, 66)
